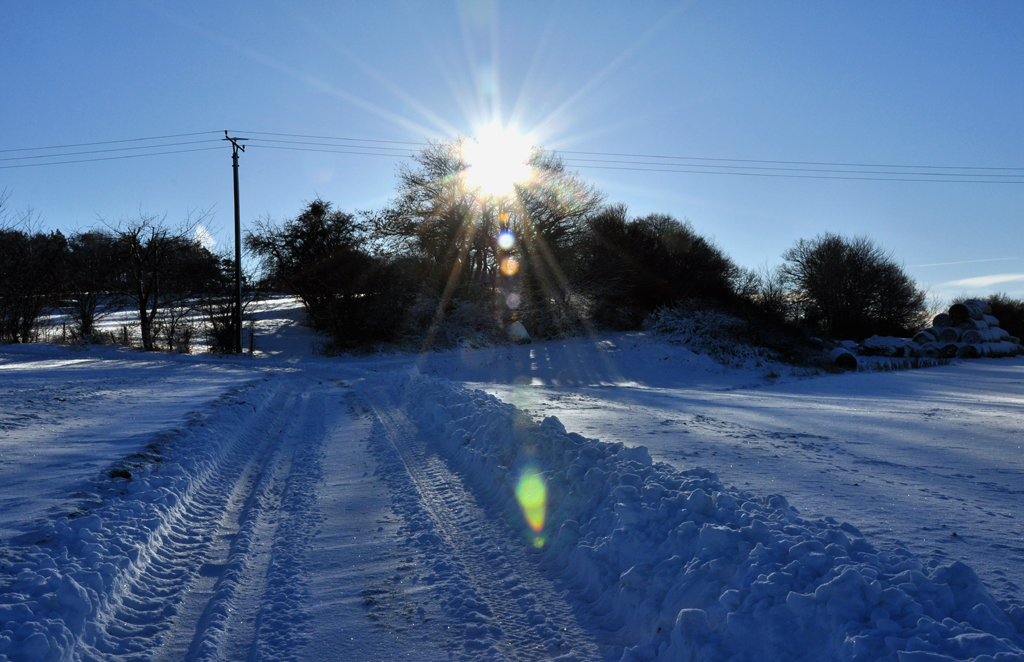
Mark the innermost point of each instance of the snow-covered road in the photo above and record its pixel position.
(318, 509)
(183, 548)
(59, 408)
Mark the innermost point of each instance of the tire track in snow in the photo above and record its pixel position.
(227, 626)
(282, 614)
(204, 579)
(144, 616)
(535, 622)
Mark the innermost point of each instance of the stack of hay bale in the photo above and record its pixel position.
(967, 331)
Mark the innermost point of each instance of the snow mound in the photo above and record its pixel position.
(707, 332)
(672, 565)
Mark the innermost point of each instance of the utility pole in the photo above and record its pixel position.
(238, 244)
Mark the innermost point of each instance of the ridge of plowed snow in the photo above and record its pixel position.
(508, 612)
(669, 564)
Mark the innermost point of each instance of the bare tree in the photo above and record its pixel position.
(852, 287)
(216, 303)
(773, 296)
(160, 264)
(90, 280)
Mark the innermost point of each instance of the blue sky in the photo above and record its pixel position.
(886, 83)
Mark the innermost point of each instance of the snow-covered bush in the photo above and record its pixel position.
(629, 267)
(707, 332)
(429, 323)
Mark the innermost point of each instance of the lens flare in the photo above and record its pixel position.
(509, 266)
(506, 240)
(532, 495)
(497, 160)
(522, 392)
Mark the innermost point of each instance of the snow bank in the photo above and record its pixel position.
(672, 565)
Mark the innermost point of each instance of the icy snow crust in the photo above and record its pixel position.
(671, 565)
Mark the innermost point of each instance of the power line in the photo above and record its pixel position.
(699, 165)
(109, 142)
(559, 151)
(735, 170)
(766, 174)
(108, 158)
(362, 140)
(303, 142)
(740, 170)
(821, 163)
(778, 168)
(103, 151)
(329, 151)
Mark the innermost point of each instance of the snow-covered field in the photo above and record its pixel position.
(595, 499)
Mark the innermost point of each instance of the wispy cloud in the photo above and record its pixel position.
(946, 264)
(985, 281)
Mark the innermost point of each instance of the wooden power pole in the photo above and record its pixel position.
(235, 147)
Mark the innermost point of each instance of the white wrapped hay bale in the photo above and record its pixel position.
(842, 358)
(1001, 349)
(968, 352)
(949, 350)
(973, 325)
(970, 309)
(925, 336)
(950, 334)
(884, 346)
(985, 336)
(990, 320)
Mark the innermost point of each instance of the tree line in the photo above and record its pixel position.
(445, 262)
(145, 265)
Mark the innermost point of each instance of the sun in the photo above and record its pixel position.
(497, 160)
